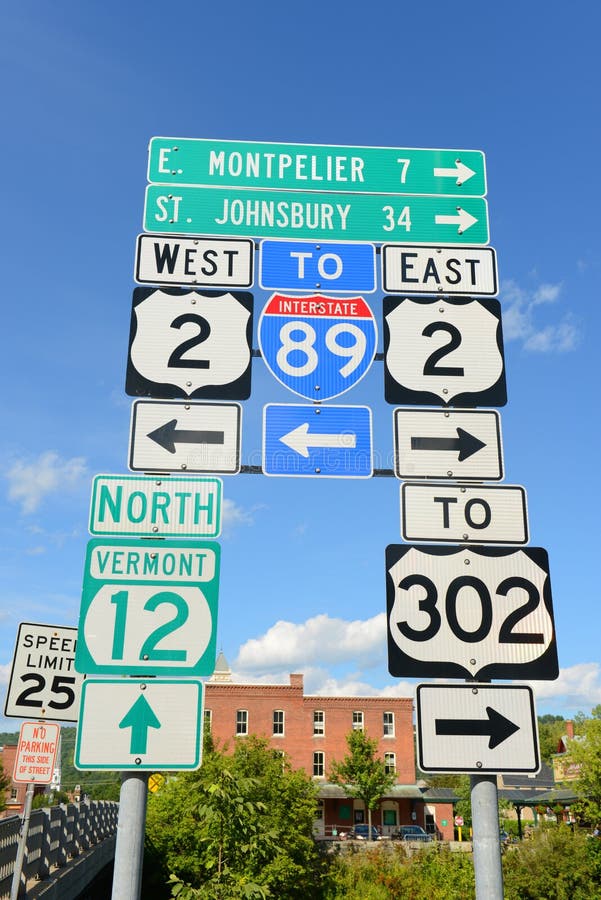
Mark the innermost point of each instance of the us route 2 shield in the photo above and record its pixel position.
(192, 344)
(443, 352)
(475, 612)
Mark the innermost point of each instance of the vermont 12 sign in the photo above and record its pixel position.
(317, 167)
(148, 608)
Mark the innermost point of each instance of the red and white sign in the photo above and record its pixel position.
(36, 753)
(458, 821)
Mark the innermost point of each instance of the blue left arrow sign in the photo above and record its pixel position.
(307, 266)
(317, 441)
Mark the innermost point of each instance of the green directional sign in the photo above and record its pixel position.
(316, 216)
(315, 167)
(148, 608)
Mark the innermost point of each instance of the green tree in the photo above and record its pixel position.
(585, 752)
(550, 730)
(362, 773)
(239, 827)
(4, 785)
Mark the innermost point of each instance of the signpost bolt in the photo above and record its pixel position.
(441, 308)
(188, 384)
(466, 561)
(184, 466)
(445, 390)
(317, 410)
(187, 406)
(472, 662)
(138, 761)
(318, 246)
(193, 301)
(195, 242)
(317, 471)
(446, 415)
(143, 686)
(478, 765)
(474, 690)
(155, 528)
(449, 473)
(462, 490)
(317, 284)
(144, 657)
(176, 148)
(465, 537)
(317, 388)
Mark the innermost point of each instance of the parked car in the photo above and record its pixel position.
(410, 833)
(361, 833)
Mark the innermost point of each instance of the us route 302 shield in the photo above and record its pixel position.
(476, 612)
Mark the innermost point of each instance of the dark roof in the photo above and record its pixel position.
(440, 795)
(543, 779)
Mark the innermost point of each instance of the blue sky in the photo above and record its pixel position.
(303, 578)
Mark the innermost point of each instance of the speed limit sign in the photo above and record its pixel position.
(43, 681)
(318, 346)
(476, 612)
(190, 344)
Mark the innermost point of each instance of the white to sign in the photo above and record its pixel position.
(464, 513)
(477, 728)
(194, 344)
(155, 507)
(476, 612)
(36, 752)
(148, 608)
(185, 437)
(462, 444)
(204, 262)
(43, 681)
(407, 269)
(140, 724)
(443, 352)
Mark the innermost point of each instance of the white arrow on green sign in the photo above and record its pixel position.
(375, 218)
(148, 608)
(316, 167)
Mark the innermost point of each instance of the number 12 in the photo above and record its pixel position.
(149, 651)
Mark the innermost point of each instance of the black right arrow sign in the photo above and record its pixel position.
(496, 727)
(465, 444)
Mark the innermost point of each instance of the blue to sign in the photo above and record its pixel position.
(306, 266)
(317, 441)
(317, 346)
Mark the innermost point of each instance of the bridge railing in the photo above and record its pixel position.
(55, 835)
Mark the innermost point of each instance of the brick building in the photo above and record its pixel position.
(312, 731)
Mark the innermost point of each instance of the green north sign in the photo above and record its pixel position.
(315, 167)
(375, 218)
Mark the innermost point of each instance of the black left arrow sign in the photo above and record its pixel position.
(168, 435)
(496, 727)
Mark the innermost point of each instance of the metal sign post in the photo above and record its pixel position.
(129, 848)
(22, 846)
(486, 843)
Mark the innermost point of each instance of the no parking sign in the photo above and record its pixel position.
(317, 346)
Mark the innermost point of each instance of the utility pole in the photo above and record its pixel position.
(486, 842)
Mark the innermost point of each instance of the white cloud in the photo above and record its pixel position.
(577, 688)
(521, 319)
(235, 516)
(5, 673)
(29, 483)
(320, 639)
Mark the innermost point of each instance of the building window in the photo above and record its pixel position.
(319, 810)
(241, 721)
(318, 764)
(208, 719)
(357, 720)
(388, 724)
(14, 793)
(278, 721)
(390, 763)
(319, 722)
